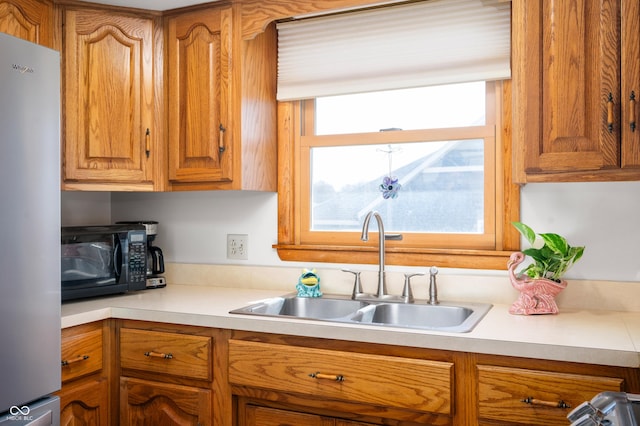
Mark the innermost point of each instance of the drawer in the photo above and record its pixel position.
(414, 384)
(81, 352)
(176, 354)
(536, 397)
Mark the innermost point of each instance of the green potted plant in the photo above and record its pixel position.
(540, 281)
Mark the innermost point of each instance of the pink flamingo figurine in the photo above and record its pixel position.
(537, 296)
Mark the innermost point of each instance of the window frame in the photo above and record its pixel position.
(296, 244)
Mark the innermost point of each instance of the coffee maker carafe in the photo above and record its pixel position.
(155, 258)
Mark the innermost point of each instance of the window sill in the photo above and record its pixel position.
(405, 256)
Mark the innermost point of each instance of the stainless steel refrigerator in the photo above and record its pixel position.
(29, 233)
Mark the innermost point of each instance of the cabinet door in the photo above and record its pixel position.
(144, 402)
(630, 94)
(108, 97)
(85, 402)
(30, 20)
(566, 63)
(199, 58)
(263, 416)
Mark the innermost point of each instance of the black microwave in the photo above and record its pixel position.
(102, 260)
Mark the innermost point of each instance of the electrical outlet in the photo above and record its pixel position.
(238, 246)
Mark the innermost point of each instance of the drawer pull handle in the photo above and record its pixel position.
(76, 359)
(158, 355)
(221, 145)
(610, 113)
(334, 377)
(632, 111)
(533, 401)
(147, 146)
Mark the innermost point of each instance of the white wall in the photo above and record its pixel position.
(85, 208)
(605, 217)
(193, 226)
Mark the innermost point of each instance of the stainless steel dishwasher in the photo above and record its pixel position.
(607, 408)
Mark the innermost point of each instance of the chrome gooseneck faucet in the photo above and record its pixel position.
(382, 284)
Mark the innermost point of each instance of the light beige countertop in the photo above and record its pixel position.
(577, 335)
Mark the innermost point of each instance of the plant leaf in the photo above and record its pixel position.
(525, 231)
(576, 253)
(556, 243)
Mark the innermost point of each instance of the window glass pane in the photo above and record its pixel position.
(442, 186)
(436, 107)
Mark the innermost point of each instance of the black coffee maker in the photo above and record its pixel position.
(155, 258)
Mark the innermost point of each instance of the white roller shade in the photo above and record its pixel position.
(411, 45)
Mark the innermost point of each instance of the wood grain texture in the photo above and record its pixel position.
(31, 20)
(258, 112)
(507, 192)
(85, 394)
(257, 14)
(187, 389)
(108, 97)
(191, 355)
(83, 343)
(232, 85)
(502, 391)
(630, 48)
(85, 403)
(380, 380)
(198, 62)
(568, 56)
(475, 259)
(265, 416)
(580, 53)
(144, 402)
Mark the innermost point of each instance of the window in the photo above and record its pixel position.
(434, 161)
(441, 183)
(454, 204)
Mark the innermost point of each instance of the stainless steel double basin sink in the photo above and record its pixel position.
(449, 317)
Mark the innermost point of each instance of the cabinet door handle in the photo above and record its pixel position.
(533, 401)
(632, 111)
(321, 376)
(158, 355)
(65, 362)
(610, 113)
(221, 146)
(147, 144)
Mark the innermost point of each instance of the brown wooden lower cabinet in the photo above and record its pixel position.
(524, 396)
(276, 379)
(85, 402)
(144, 402)
(124, 372)
(285, 380)
(166, 375)
(265, 416)
(84, 397)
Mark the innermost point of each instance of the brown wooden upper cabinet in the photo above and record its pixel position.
(30, 20)
(199, 57)
(221, 102)
(109, 134)
(576, 82)
(173, 102)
